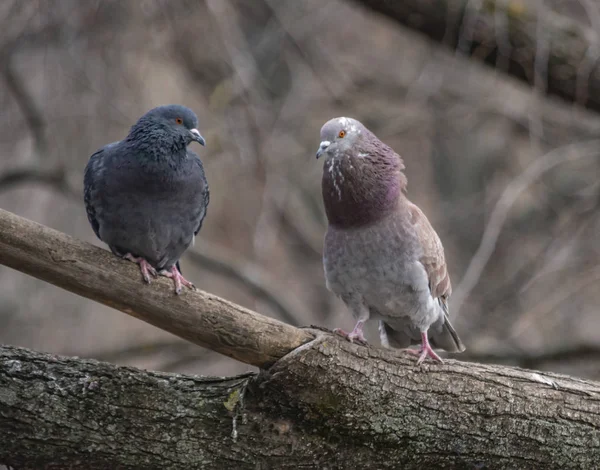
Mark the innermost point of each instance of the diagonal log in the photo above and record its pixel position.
(92, 272)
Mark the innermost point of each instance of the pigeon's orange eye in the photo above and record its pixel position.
(341, 134)
(179, 121)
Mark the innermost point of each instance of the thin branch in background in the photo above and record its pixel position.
(129, 352)
(504, 47)
(510, 195)
(184, 353)
(250, 277)
(298, 236)
(568, 289)
(200, 355)
(57, 179)
(539, 79)
(321, 62)
(181, 354)
(535, 361)
(241, 59)
(30, 110)
(249, 88)
(536, 266)
(431, 77)
(592, 54)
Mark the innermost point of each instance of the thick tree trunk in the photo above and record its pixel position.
(320, 401)
(554, 53)
(329, 404)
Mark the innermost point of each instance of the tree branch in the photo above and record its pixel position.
(504, 34)
(329, 404)
(322, 402)
(209, 257)
(91, 272)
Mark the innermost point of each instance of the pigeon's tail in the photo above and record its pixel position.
(447, 339)
(441, 336)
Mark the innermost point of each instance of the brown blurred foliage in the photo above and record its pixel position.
(263, 76)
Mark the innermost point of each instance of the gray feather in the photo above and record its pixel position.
(381, 255)
(147, 195)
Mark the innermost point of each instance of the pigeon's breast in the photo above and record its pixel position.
(380, 264)
(152, 215)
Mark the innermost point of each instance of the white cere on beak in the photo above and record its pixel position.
(325, 144)
(197, 136)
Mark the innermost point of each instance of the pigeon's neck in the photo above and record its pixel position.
(359, 191)
(157, 145)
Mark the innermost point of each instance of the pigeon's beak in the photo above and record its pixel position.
(196, 137)
(322, 148)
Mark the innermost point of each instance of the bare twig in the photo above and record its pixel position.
(184, 360)
(535, 361)
(509, 197)
(592, 54)
(142, 350)
(56, 179)
(30, 110)
(568, 289)
(251, 277)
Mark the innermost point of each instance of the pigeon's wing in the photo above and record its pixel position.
(442, 334)
(203, 189)
(433, 259)
(203, 213)
(93, 171)
(89, 183)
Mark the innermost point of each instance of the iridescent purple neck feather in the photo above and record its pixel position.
(362, 184)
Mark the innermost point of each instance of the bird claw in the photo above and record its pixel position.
(146, 269)
(424, 351)
(355, 336)
(178, 279)
(427, 351)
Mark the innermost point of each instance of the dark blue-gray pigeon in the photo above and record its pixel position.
(381, 256)
(146, 195)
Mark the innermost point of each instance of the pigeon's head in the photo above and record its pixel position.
(362, 176)
(339, 136)
(173, 121)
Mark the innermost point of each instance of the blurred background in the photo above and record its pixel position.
(506, 175)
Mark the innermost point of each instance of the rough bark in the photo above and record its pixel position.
(544, 49)
(329, 404)
(325, 403)
(91, 272)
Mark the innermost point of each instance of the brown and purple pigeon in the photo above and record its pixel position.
(381, 254)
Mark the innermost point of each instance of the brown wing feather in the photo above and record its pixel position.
(433, 256)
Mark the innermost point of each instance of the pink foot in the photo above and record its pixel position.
(145, 267)
(425, 351)
(355, 334)
(178, 279)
